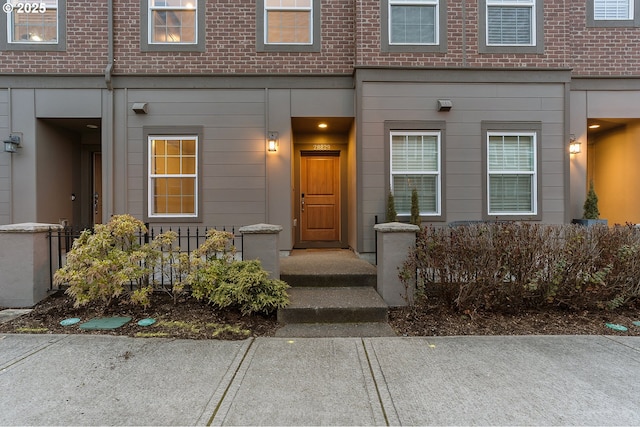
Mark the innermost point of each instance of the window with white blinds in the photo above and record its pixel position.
(413, 21)
(511, 22)
(611, 10)
(415, 163)
(511, 173)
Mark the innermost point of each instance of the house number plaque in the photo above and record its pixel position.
(321, 147)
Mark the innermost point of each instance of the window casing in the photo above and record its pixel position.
(172, 176)
(416, 163)
(613, 13)
(512, 182)
(34, 26)
(172, 25)
(413, 25)
(511, 26)
(288, 25)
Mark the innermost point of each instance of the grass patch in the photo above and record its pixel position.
(219, 329)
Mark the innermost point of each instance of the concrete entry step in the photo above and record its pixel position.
(327, 268)
(334, 305)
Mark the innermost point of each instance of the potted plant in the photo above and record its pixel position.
(591, 214)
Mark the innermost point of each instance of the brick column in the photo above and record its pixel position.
(395, 241)
(260, 241)
(24, 264)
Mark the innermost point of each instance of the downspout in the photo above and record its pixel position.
(107, 144)
(11, 189)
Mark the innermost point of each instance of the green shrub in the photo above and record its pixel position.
(242, 284)
(391, 215)
(102, 262)
(590, 206)
(510, 266)
(415, 208)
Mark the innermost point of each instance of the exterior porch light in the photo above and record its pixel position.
(11, 145)
(272, 142)
(574, 145)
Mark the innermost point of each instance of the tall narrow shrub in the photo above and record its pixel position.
(415, 208)
(392, 215)
(591, 204)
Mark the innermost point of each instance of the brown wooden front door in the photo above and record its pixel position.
(320, 196)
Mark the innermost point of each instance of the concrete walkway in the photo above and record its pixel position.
(523, 380)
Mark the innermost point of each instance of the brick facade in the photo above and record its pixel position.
(350, 38)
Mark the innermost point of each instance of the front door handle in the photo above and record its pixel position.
(302, 202)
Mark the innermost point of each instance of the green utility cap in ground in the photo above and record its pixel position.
(70, 321)
(105, 323)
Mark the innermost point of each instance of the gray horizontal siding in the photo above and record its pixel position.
(232, 152)
(473, 103)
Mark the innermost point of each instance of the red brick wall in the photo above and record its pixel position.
(230, 45)
(86, 45)
(598, 51)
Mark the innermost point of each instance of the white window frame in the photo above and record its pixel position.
(267, 9)
(435, 3)
(437, 173)
(186, 7)
(530, 4)
(40, 6)
(151, 176)
(606, 3)
(533, 173)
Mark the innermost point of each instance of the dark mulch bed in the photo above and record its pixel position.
(191, 319)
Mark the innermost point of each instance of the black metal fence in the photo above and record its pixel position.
(188, 238)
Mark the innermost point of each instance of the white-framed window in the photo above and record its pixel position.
(414, 22)
(511, 22)
(32, 22)
(416, 163)
(173, 176)
(288, 22)
(613, 10)
(512, 173)
(173, 22)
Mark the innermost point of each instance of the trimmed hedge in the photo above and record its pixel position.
(512, 266)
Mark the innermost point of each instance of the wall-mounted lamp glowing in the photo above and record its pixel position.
(272, 142)
(11, 145)
(322, 125)
(574, 145)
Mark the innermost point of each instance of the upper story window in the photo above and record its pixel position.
(288, 25)
(172, 25)
(413, 25)
(413, 21)
(288, 22)
(172, 21)
(416, 164)
(613, 13)
(612, 9)
(508, 26)
(33, 25)
(510, 22)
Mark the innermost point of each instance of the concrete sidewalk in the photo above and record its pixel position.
(532, 380)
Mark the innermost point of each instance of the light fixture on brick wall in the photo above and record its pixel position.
(272, 142)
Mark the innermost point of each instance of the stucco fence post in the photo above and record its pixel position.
(395, 241)
(24, 264)
(260, 241)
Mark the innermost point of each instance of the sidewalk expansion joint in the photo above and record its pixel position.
(375, 382)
